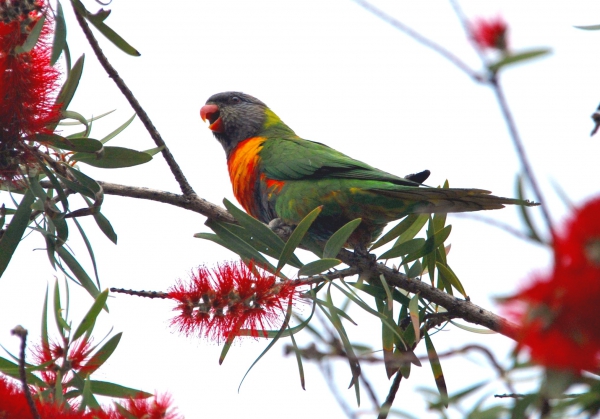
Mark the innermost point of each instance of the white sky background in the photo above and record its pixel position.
(337, 75)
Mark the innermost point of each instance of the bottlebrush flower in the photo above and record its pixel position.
(76, 360)
(156, 407)
(490, 34)
(27, 85)
(558, 312)
(215, 304)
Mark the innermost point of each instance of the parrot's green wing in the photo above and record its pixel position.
(297, 159)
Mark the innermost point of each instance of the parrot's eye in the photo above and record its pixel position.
(235, 100)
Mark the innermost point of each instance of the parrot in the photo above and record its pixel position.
(278, 176)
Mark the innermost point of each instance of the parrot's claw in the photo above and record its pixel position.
(279, 227)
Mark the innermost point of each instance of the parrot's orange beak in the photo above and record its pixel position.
(212, 113)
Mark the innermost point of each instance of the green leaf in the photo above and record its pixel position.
(61, 324)
(106, 227)
(112, 36)
(68, 89)
(154, 151)
(413, 309)
(260, 232)
(533, 234)
(379, 292)
(415, 270)
(589, 27)
(117, 131)
(90, 250)
(299, 361)
(413, 229)
(15, 230)
(451, 277)
(33, 37)
(237, 245)
(57, 187)
(517, 58)
(398, 229)
(113, 158)
(284, 326)
(339, 239)
(436, 368)
(103, 388)
(44, 333)
(473, 329)
(87, 396)
(90, 318)
(431, 244)
(84, 279)
(60, 34)
(103, 353)
(11, 369)
(402, 249)
(296, 237)
(318, 266)
(86, 145)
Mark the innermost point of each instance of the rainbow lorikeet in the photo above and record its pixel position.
(276, 174)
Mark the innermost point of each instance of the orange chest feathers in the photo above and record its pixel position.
(243, 172)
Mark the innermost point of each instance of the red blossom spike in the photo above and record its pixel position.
(558, 312)
(28, 84)
(215, 304)
(490, 34)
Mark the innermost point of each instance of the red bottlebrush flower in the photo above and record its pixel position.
(217, 303)
(490, 33)
(156, 407)
(559, 313)
(27, 85)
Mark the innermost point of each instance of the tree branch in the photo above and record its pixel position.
(184, 185)
(421, 39)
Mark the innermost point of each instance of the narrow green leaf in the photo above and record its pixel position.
(57, 187)
(87, 396)
(45, 340)
(473, 329)
(111, 35)
(68, 89)
(402, 249)
(299, 361)
(431, 244)
(15, 230)
(238, 245)
(318, 266)
(61, 324)
(103, 388)
(33, 37)
(451, 277)
(80, 118)
(86, 145)
(11, 369)
(398, 229)
(338, 239)
(76, 187)
(436, 368)
(297, 236)
(90, 318)
(84, 280)
(260, 231)
(86, 181)
(153, 151)
(413, 229)
(117, 131)
(60, 34)
(517, 58)
(284, 326)
(103, 354)
(525, 213)
(113, 158)
(415, 270)
(413, 309)
(379, 292)
(589, 27)
(88, 246)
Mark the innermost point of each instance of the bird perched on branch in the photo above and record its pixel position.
(276, 174)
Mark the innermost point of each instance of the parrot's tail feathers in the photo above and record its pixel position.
(438, 200)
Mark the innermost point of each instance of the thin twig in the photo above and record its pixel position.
(389, 400)
(370, 390)
(147, 294)
(421, 39)
(21, 332)
(514, 134)
(184, 185)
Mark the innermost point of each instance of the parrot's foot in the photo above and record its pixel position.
(279, 227)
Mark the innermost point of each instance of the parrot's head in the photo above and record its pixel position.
(234, 117)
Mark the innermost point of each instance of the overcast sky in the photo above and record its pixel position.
(338, 75)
